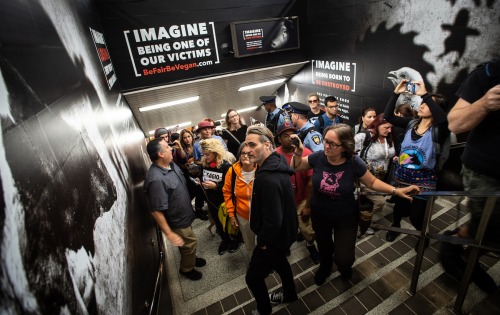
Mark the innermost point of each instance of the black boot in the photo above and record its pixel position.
(454, 264)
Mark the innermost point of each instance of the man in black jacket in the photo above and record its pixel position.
(273, 220)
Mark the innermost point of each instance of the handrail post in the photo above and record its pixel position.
(474, 254)
(421, 244)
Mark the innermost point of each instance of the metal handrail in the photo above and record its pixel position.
(476, 244)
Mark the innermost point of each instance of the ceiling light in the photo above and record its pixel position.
(184, 124)
(258, 85)
(172, 103)
(240, 111)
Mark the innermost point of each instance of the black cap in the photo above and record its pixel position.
(267, 99)
(284, 127)
(299, 108)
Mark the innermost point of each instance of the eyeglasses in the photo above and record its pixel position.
(332, 106)
(313, 101)
(331, 144)
(230, 117)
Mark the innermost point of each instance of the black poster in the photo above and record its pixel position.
(168, 49)
(265, 36)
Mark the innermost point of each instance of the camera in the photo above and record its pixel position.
(411, 87)
(295, 142)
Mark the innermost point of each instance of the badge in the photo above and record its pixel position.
(316, 139)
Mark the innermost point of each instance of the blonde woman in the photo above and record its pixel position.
(214, 169)
(238, 207)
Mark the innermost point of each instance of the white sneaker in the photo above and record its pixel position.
(370, 231)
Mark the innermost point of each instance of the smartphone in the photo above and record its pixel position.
(193, 180)
(411, 87)
(295, 142)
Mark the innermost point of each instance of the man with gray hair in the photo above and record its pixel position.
(273, 220)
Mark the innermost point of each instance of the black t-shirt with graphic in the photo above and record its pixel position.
(333, 185)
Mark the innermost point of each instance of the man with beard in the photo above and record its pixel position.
(273, 220)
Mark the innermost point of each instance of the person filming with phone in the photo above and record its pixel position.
(417, 160)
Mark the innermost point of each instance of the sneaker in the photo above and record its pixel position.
(234, 245)
(321, 275)
(191, 275)
(370, 231)
(255, 312)
(313, 253)
(200, 262)
(391, 236)
(276, 297)
(200, 214)
(223, 247)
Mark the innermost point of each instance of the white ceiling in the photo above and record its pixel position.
(217, 95)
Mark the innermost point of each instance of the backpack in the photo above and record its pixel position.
(366, 144)
(442, 149)
(222, 212)
(322, 123)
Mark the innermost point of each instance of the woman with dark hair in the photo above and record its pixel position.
(235, 132)
(238, 197)
(183, 157)
(333, 206)
(417, 159)
(368, 114)
(214, 169)
(376, 148)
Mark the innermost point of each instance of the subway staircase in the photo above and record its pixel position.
(381, 277)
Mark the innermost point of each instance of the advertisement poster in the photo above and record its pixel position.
(164, 50)
(265, 36)
(340, 75)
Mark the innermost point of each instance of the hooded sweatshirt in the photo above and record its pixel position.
(274, 215)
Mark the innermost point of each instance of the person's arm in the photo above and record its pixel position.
(174, 238)
(389, 115)
(298, 162)
(465, 116)
(376, 184)
(228, 193)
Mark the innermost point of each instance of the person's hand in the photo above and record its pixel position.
(209, 185)
(401, 87)
(300, 146)
(305, 213)
(407, 192)
(175, 239)
(420, 89)
(233, 222)
(491, 99)
(176, 144)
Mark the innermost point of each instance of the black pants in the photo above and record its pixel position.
(214, 212)
(261, 264)
(414, 209)
(340, 249)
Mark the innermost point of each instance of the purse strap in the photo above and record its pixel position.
(233, 182)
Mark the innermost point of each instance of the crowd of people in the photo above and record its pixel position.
(294, 177)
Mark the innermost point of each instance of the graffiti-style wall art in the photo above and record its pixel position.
(358, 50)
(72, 162)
